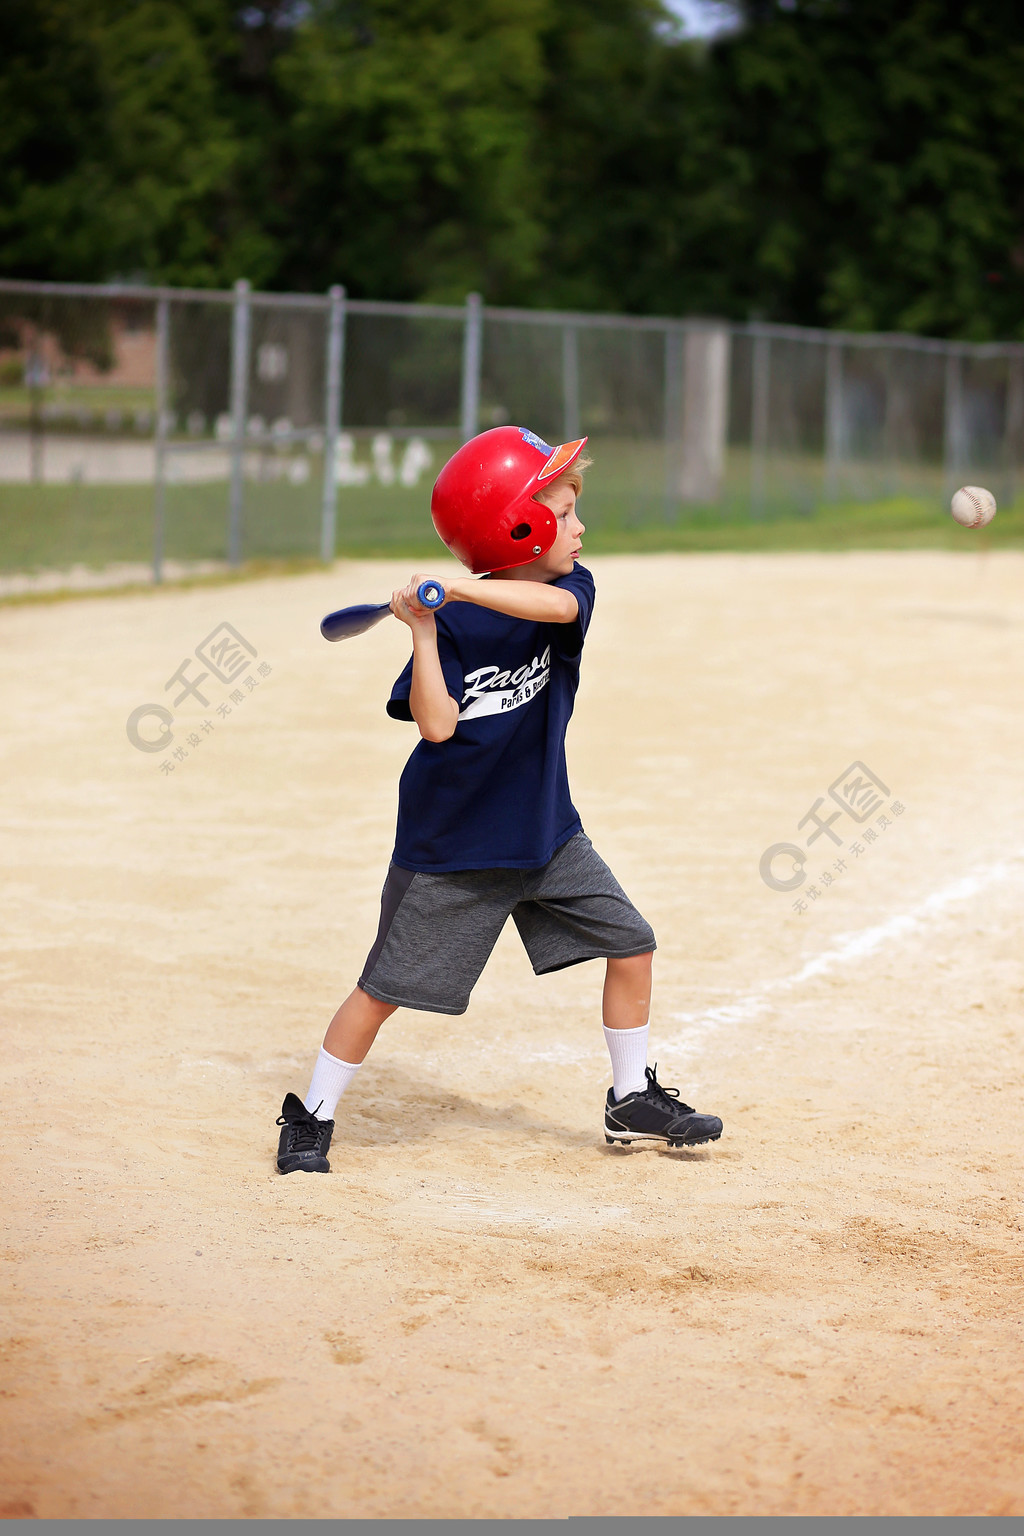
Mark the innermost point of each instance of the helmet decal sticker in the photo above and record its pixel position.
(535, 441)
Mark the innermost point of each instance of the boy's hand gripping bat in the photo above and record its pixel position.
(346, 622)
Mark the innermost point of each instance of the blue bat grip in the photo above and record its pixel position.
(430, 594)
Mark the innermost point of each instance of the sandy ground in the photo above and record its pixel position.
(484, 1311)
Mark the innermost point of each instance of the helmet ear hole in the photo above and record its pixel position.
(521, 531)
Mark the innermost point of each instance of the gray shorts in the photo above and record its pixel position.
(437, 931)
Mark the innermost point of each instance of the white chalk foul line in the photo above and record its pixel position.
(851, 946)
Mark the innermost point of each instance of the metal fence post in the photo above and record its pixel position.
(705, 412)
(332, 419)
(37, 376)
(570, 384)
(953, 426)
(673, 418)
(759, 421)
(163, 326)
(1014, 422)
(471, 355)
(240, 336)
(835, 419)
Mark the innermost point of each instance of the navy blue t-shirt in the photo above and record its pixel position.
(495, 795)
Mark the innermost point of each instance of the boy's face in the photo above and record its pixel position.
(566, 549)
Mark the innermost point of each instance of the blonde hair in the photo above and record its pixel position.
(572, 476)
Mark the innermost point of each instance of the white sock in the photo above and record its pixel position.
(628, 1051)
(330, 1079)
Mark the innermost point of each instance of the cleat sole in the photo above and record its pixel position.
(662, 1141)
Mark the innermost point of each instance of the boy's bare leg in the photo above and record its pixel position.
(638, 1108)
(354, 1027)
(626, 1006)
(627, 992)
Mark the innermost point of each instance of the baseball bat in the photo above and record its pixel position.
(346, 622)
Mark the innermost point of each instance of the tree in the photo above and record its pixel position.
(882, 164)
(643, 187)
(413, 165)
(115, 155)
(831, 162)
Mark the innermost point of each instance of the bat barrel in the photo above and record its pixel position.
(346, 622)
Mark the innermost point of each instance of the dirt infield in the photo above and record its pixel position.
(485, 1311)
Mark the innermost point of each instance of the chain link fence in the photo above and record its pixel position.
(180, 429)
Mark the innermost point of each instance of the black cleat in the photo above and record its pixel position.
(657, 1114)
(304, 1139)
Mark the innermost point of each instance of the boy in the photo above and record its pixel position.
(486, 828)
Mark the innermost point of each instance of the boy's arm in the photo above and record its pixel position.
(520, 599)
(432, 707)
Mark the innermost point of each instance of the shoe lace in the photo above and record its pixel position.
(303, 1135)
(667, 1097)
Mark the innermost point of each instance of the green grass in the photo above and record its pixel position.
(58, 525)
(901, 523)
(49, 526)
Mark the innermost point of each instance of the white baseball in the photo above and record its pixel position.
(973, 506)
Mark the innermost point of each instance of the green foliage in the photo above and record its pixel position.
(643, 186)
(412, 148)
(883, 152)
(837, 164)
(116, 157)
(832, 162)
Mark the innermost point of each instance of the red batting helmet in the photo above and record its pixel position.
(482, 503)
